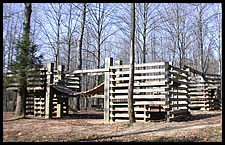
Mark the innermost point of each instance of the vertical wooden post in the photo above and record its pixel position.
(108, 63)
(118, 62)
(49, 93)
(145, 113)
(59, 107)
(59, 97)
(168, 96)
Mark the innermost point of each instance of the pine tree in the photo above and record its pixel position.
(25, 59)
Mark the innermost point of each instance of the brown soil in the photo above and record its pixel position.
(89, 126)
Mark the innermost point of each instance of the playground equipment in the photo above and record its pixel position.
(161, 91)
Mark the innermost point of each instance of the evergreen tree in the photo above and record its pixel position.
(26, 58)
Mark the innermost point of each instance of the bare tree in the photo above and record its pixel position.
(79, 50)
(100, 18)
(131, 75)
(12, 30)
(51, 27)
(80, 40)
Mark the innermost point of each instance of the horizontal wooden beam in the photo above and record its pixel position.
(90, 71)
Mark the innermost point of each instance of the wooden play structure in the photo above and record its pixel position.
(161, 91)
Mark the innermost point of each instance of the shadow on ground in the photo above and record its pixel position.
(160, 139)
(85, 115)
(202, 116)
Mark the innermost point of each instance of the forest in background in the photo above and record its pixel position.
(185, 33)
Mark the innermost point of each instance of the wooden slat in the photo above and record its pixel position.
(146, 84)
(72, 79)
(12, 89)
(116, 104)
(177, 74)
(178, 69)
(98, 96)
(140, 78)
(139, 90)
(126, 109)
(140, 96)
(126, 115)
(147, 71)
(150, 102)
(90, 71)
(139, 65)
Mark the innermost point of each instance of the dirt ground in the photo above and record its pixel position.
(89, 126)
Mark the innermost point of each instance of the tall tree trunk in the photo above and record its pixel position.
(98, 42)
(200, 39)
(57, 44)
(20, 107)
(144, 32)
(69, 38)
(79, 50)
(178, 36)
(131, 75)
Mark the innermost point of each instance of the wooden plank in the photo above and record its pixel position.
(139, 65)
(177, 74)
(140, 78)
(49, 93)
(150, 102)
(13, 84)
(12, 89)
(70, 79)
(140, 96)
(179, 70)
(173, 81)
(98, 96)
(35, 88)
(196, 89)
(72, 83)
(90, 71)
(147, 71)
(146, 84)
(179, 99)
(126, 115)
(197, 93)
(77, 87)
(118, 104)
(108, 64)
(126, 109)
(139, 90)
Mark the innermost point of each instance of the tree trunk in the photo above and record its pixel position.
(131, 75)
(21, 98)
(178, 36)
(57, 44)
(200, 39)
(79, 50)
(98, 43)
(144, 32)
(69, 38)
